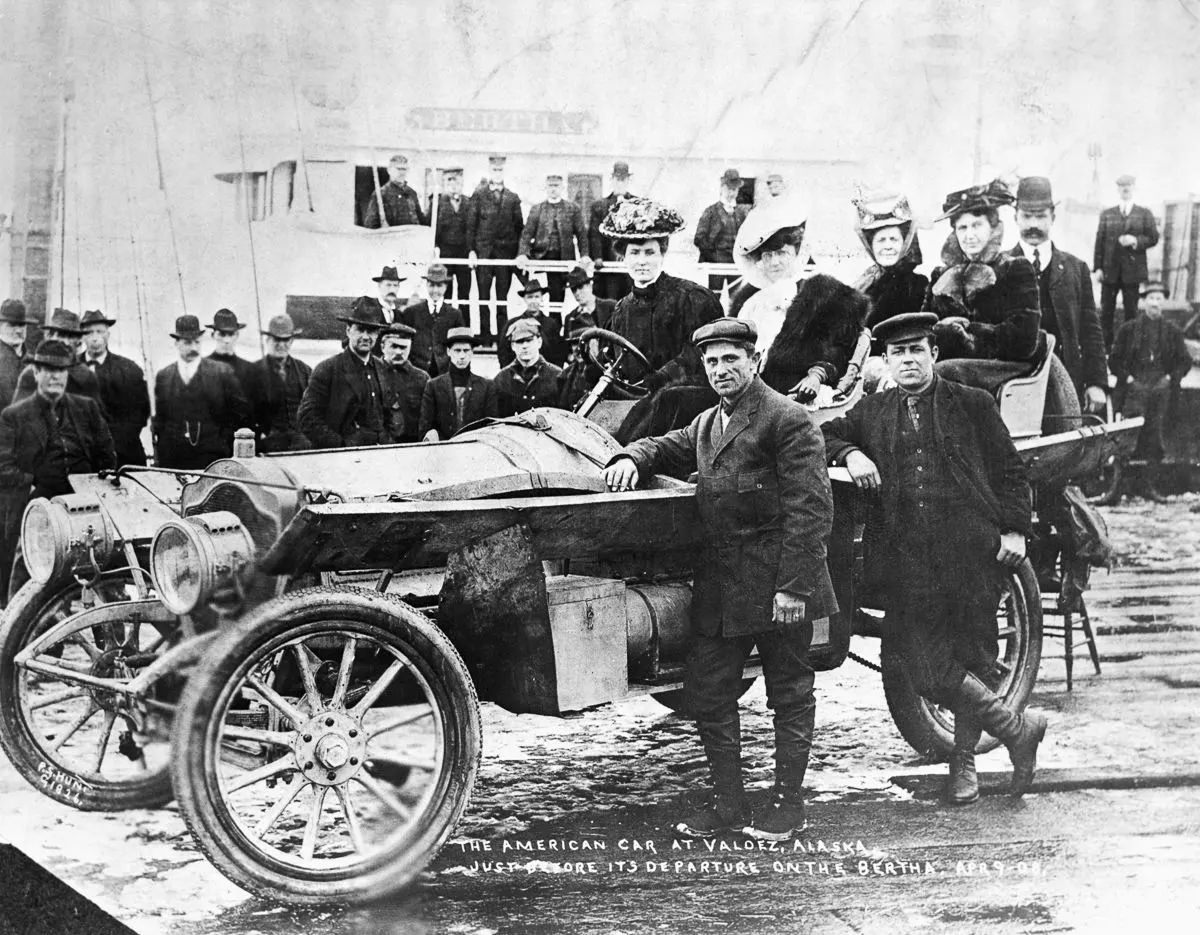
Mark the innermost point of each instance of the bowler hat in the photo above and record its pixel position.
(1154, 285)
(12, 311)
(96, 317)
(389, 274)
(1033, 193)
(460, 336)
(731, 177)
(535, 284)
(225, 320)
(55, 354)
(365, 312)
(65, 321)
(983, 197)
(904, 327)
(578, 277)
(400, 329)
(437, 274)
(620, 170)
(522, 329)
(497, 160)
(187, 327)
(725, 329)
(281, 326)
(1126, 179)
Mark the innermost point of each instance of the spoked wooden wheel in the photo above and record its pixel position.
(929, 728)
(327, 747)
(85, 745)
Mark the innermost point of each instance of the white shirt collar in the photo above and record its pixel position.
(99, 361)
(1046, 249)
(187, 369)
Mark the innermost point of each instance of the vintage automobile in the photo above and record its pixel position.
(294, 646)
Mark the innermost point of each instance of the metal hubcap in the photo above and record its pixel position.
(330, 748)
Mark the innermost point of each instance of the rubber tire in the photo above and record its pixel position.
(277, 621)
(673, 699)
(15, 736)
(929, 734)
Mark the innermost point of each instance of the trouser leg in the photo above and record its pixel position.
(789, 683)
(504, 278)
(484, 277)
(712, 682)
(1108, 307)
(12, 509)
(1129, 301)
(556, 287)
(462, 291)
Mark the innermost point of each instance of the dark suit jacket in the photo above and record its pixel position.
(547, 220)
(451, 234)
(1131, 355)
(494, 225)
(400, 204)
(709, 232)
(514, 393)
(765, 501)
(429, 343)
(226, 403)
(1076, 324)
(239, 365)
(11, 364)
(409, 385)
(439, 410)
(336, 389)
(25, 438)
(126, 400)
(1124, 264)
(980, 457)
(265, 392)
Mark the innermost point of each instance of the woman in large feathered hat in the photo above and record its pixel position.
(887, 230)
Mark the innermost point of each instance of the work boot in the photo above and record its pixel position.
(1020, 733)
(962, 785)
(1150, 479)
(783, 816)
(727, 810)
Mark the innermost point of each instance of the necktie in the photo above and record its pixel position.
(913, 416)
(1037, 262)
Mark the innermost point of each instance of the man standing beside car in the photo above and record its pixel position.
(765, 501)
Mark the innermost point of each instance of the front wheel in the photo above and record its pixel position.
(327, 747)
(929, 728)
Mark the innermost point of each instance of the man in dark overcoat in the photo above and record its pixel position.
(1125, 233)
(226, 330)
(765, 501)
(13, 327)
(457, 397)
(63, 326)
(609, 285)
(431, 319)
(123, 388)
(1065, 291)
(198, 404)
(494, 233)
(400, 202)
(408, 383)
(717, 228)
(451, 237)
(554, 230)
(530, 380)
(274, 388)
(44, 438)
(349, 397)
(950, 511)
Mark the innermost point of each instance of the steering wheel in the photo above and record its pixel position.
(609, 366)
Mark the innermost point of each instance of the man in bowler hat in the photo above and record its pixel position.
(63, 326)
(274, 387)
(123, 388)
(767, 509)
(457, 397)
(389, 301)
(430, 319)
(198, 404)
(718, 226)
(13, 328)
(226, 329)
(44, 438)
(1125, 233)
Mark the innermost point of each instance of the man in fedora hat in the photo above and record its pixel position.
(494, 233)
(718, 226)
(226, 329)
(530, 380)
(1126, 231)
(534, 293)
(764, 493)
(430, 319)
(350, 396)
(63, 326)
(608, 285)
(451, 236)
(44, 438)
(946, 519)
(457, 397)
(408, 382)
(389, 301)
(1065, 289)
(554, 230)
(123, 389)
(400, 202)
(274, 388)
(198, 404)
(13, 328)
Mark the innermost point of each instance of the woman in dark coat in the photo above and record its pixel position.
(885, 226)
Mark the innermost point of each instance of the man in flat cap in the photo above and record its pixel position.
(198, 404)
(451, 240)
(13, 328)
(408, 382)
(533, 292)
(945, 522)
(400, 204)
(1065, 289)
(349, 397)
(608, 285)
(530, 380)
(494, 233)
(123, 389)
(226, 330)
(554, 230)
(63, 326)
(764, 494)
(1126, 232)
(275, 386)
(457, 397)
(44, 438)
(431, 319)
(718, 226)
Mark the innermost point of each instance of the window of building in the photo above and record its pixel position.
(365, 178)
(583, 190)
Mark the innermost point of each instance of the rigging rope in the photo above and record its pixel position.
(299, 127)
(248, 190)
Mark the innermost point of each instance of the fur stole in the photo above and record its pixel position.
(963, 279)
(821, 327)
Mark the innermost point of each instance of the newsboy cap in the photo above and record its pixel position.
(187, 327)
(905, 327)
(1126, 179)
(460, 336)
(54, 353)
(400, 330)
(96, 317)
(726, 329)
(12, 311)
(522, 329)
(66, 321)
(225, 320)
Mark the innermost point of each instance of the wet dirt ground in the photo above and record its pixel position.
(568, 829)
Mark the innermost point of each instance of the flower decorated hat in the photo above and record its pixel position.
(640, 219)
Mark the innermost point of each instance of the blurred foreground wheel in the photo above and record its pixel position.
(929, 728)
(327, 746)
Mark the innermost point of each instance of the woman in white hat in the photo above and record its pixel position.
(807, 328)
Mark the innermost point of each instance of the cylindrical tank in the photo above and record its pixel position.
(657, 623)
